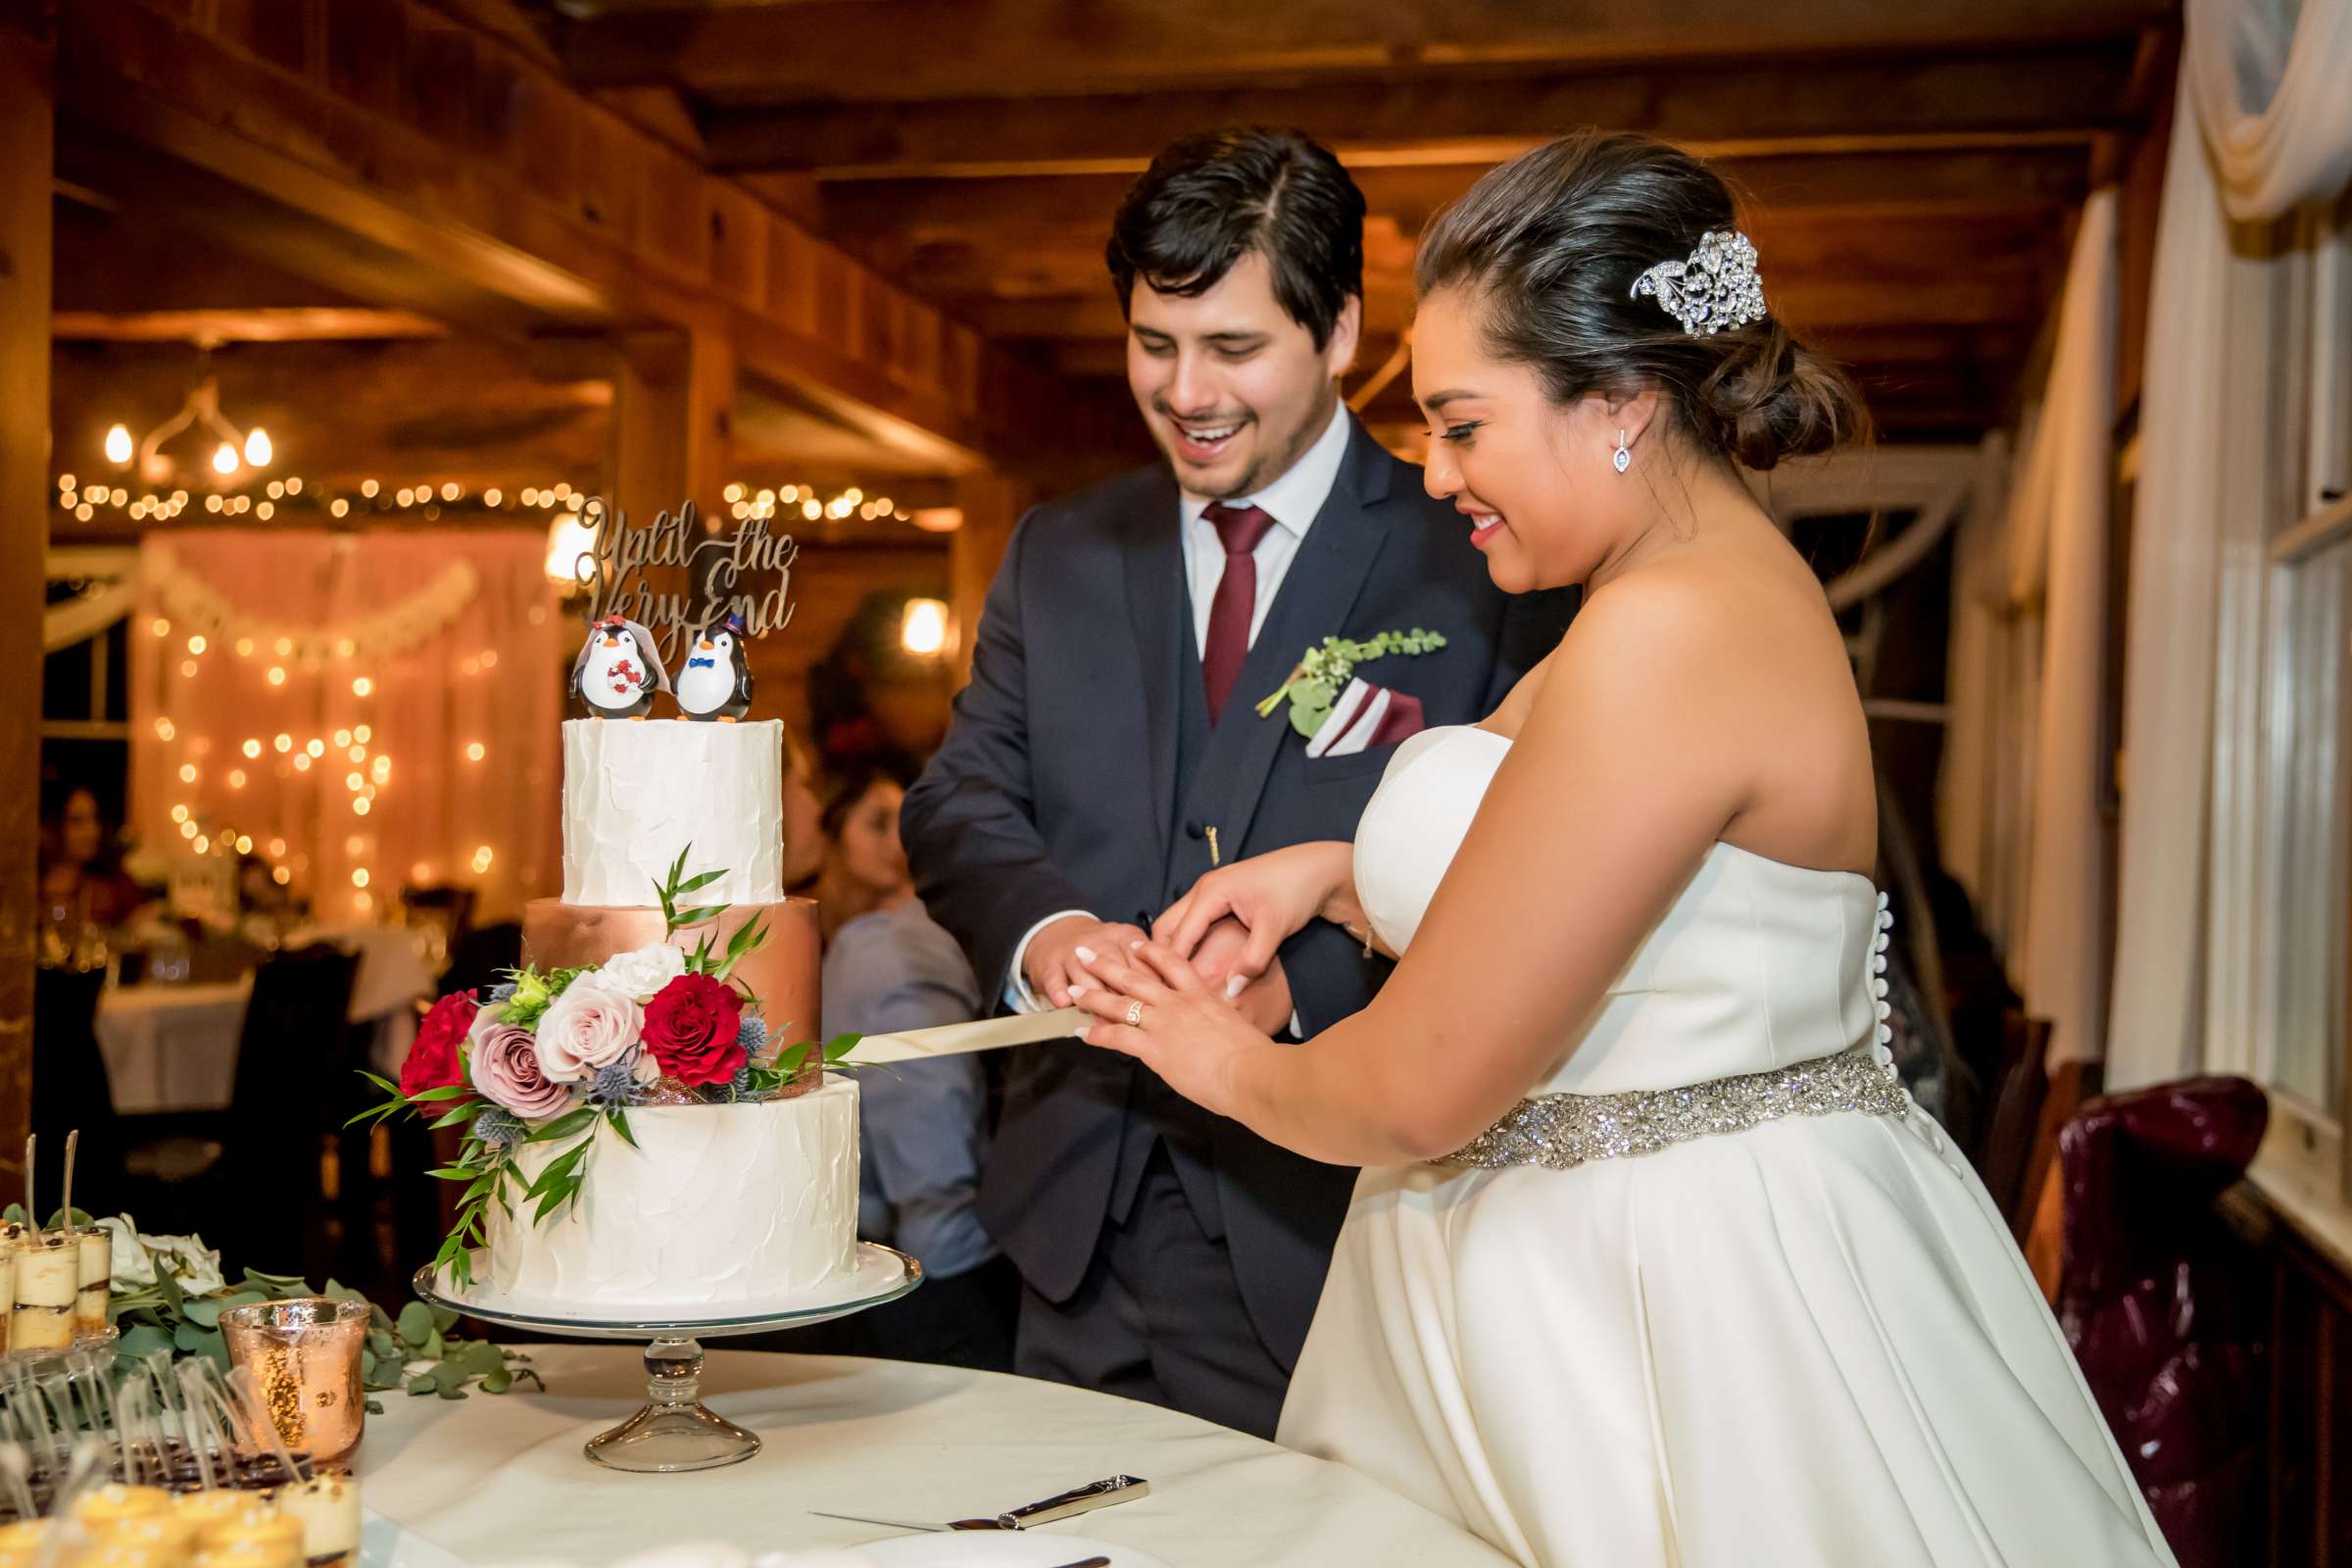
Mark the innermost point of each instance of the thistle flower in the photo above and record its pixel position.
(616, 1083)
(752, 1034)
(496, 1126)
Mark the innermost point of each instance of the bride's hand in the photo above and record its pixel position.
(1185, 1032)
(1274, 895)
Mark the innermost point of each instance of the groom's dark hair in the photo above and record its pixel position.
(1210, 199)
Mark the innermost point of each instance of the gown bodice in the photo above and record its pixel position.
(1758, 964)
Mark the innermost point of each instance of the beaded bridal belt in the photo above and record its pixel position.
(1560, 1132)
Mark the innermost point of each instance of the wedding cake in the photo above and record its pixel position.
(687, 1193)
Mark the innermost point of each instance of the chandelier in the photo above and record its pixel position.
(233, 452)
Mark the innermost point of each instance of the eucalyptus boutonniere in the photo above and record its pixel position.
(1323, 672)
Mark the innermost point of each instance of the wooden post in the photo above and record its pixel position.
(673, 418)
(28, 120)
(993, 504)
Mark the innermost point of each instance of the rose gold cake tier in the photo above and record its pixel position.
(782, 973)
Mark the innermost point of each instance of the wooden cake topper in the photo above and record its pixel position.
(685, 602)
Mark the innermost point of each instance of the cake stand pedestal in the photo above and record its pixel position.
(673, 1430)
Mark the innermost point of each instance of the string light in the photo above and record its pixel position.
(187, 772)
(252, 748)
(316, 748)
(475, 752)
(362, 687)
(180, 814)
(236, 778)
(164, 730)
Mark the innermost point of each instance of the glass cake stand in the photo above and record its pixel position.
(673, 1430)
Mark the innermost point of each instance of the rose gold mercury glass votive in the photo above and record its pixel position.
(304, 1358)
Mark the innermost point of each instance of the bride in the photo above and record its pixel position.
(1651, 1260)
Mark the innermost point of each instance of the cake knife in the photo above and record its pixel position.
(1064, 1505)
(982, 1034)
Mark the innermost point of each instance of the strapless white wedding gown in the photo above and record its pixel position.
(1810, 1343)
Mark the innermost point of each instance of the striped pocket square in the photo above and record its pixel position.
(1365, 716)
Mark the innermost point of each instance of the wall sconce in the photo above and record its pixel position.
(923, 629)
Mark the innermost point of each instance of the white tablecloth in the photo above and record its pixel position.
(173, 1047)
(494, 1479)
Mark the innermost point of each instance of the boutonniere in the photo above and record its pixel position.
(1324, 672)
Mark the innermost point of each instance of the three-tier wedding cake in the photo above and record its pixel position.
(694, 1200)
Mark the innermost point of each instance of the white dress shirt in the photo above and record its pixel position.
(1293, 499)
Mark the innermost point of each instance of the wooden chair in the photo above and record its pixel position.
(2011, 1124)
(248, 1176)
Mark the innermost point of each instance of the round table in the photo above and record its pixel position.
(502, 1479)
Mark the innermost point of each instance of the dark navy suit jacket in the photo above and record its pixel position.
(1080, 774)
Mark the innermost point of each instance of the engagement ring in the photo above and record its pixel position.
(1135, 1015)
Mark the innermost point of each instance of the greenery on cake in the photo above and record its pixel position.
(546, 1057)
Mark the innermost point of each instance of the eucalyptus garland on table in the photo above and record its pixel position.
(167, 1293)
(1324, 670)
(547, 1057)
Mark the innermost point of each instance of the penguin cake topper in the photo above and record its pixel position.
(618, 671)
(715, 681)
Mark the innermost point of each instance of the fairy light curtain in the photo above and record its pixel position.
(362, 712)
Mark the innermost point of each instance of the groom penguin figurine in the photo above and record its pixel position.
(717, 682)
(1109, 752)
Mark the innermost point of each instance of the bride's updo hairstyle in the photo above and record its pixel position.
(1549, 245)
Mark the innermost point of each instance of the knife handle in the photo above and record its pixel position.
(1069, 1504)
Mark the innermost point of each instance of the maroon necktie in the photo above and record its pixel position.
(1235, 602)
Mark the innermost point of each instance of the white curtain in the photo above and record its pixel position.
(2058, 560)
(2263, 124)
(2019, 792)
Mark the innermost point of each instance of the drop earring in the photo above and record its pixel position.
(1623, 459)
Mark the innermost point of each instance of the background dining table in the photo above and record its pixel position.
(173, 1045)
(502, 1479)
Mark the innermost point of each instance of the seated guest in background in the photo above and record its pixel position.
(804, 827)
(888, 968)
(83, 881)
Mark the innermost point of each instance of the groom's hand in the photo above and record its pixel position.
(1052, 962)
(1266, 1001)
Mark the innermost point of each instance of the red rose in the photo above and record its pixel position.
(432, 1062)
(692, 1027)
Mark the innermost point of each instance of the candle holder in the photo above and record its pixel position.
(304, 1358)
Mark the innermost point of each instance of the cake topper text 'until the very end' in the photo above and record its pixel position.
(716, 570)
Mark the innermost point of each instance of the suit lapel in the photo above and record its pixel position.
(1321, 587)
(1157, 609)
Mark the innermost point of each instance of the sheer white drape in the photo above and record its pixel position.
(2022, 765)
(2263, 124)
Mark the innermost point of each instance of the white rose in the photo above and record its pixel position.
(196, 1267)
(591, 1025)
(641, 973)
(127, 1262)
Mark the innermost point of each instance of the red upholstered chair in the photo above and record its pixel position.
(2154, 1298)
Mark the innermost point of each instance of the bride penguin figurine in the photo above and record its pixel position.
(618, 671)
(717, 682)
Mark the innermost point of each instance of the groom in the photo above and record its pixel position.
(1109, 752)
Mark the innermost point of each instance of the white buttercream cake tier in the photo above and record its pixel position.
(635, 792)
(717, 1207)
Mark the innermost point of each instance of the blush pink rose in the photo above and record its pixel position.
(588, 1028)
(505, 1066)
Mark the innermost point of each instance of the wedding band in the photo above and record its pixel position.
(1135, 1015)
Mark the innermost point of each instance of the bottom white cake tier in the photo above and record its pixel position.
(716, 1205)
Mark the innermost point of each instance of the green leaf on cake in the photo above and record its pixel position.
(695, 883)
(620, 1121)
(746, 940)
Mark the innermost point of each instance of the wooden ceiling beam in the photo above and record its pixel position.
(1952, 299)
(1890, 183)
(828, 49)
(2066, 90)
(271, 325)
